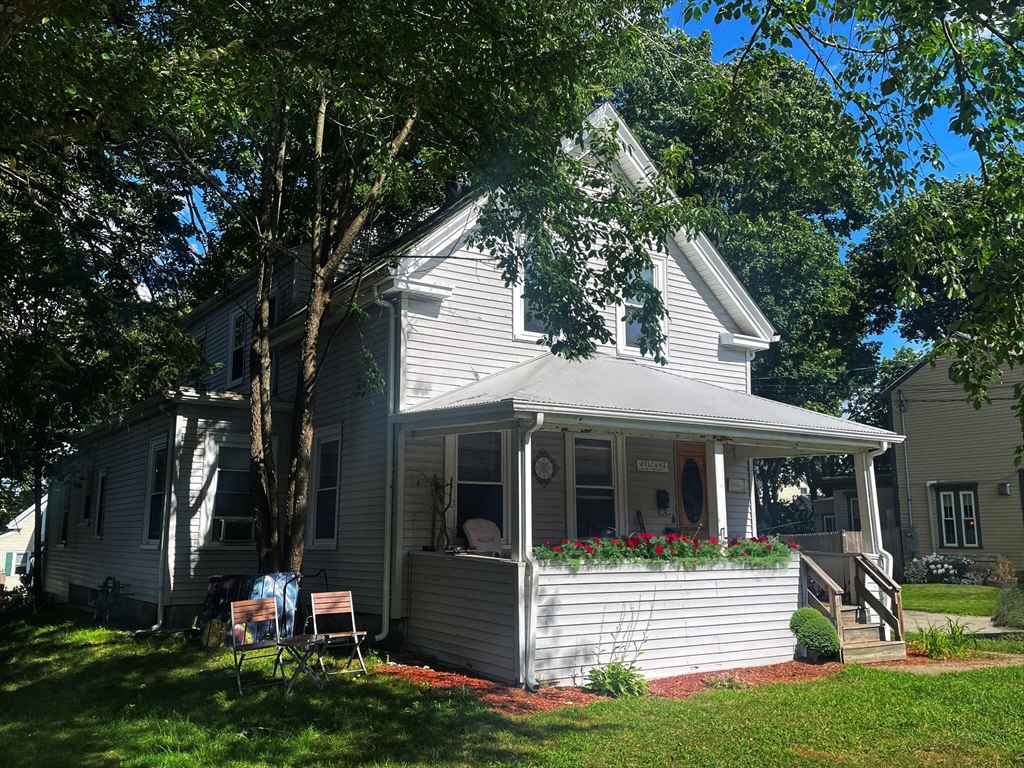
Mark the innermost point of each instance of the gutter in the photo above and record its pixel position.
(876, 530)
(385, 625)
(526, 542)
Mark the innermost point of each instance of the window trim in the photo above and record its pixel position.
(852, 500)
(232, 319)
(956, 492)
(618, 480)
(519, 332)
(321, 436)
(659, 272)
(65, 513)
(99, 511)
(451, 454)
(824, 526)
(214, 442)
(88, 489)
(161, 441)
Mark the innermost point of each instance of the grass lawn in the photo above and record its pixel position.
(74, 696)
(961, 599)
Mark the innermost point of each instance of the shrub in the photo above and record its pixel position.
(618, 679)
(801, 616)
(1003, 572)
(817, 635)
(1010, 608)
(951, 641)
(939, 569)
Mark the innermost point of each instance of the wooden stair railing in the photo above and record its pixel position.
(832, 606)
(864, 569)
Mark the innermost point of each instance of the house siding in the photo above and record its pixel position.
(679, 621)
(463, 611)
(87, 560)
(950, 442)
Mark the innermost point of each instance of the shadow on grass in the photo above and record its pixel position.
(100, 698)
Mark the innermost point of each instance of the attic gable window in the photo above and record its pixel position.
(236, 348)
(628, 331)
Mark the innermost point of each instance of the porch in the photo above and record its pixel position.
(555, 450)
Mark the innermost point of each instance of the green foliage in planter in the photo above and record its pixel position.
(800, 617)
(618, 679)
(762, 552)
(1010, 608)
(817, 635)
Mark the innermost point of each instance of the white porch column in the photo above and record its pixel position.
(717, 509)
(867, 498)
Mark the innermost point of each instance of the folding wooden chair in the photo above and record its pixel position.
(254, 628)
(338, 604)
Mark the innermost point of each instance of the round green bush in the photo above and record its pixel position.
(817, 635)
(800, 617)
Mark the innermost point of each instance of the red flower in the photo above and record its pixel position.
(597, 539)
(565, 541)
(745, 553)
(769, 548)
(713, 540)
(672, 551)
(696, 544)
(588, 549)
(792, 544)
(632, 542)
(672, 537)
(547, 543)
(615, 542)
(659, 550)
(556, 548)
(579, 545)
(646, 536)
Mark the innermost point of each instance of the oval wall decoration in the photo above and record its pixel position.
(691, 491)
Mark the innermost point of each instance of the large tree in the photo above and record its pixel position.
(773, 154)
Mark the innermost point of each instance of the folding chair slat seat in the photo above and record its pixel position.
(244, 613)
(325, 604)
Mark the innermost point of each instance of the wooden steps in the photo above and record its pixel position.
(876, 650)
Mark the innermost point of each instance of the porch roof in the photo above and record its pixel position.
(610, 391)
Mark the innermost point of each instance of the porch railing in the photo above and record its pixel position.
(864, 570)
(837, 542)
(822, 593)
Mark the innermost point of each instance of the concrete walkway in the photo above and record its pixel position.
(982, 625)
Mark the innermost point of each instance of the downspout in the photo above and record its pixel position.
(526, 542)
(876, 525)
(165, 524)
(385, 614)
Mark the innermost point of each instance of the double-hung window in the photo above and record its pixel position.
(958, 517)
(481, 489)
(828, 523)
(101, 502)
(327, 484)
(629, 327)
(853, 509)
(232, 518)
(156, 490)
(65, 512)
(88, 494)
(236, 348)
(595, 484)
(527, 325)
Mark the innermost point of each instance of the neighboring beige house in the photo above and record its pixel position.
(16, 546)
(964, 493)
(839, 508)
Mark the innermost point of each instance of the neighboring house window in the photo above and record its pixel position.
(156, 491)
(21, 566)
(101, 502)
(828, 523)
(232, 515)
(327, 476)
(236, 347)
(481, 489)
(958, 517)
(853, 506)
(88, 497)
(595, 484)
(629, 330)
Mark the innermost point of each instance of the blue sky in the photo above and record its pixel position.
(729, 35)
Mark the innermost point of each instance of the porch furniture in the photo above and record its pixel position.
(302, 648)
(339, 604)
(604, 531)
(255, 634)
(483, 535)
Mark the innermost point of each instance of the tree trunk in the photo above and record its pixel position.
(262, 470)
(37, 540)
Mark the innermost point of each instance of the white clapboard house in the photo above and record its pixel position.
(543, 447)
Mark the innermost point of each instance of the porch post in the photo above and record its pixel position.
(719, 513)
(867, 497)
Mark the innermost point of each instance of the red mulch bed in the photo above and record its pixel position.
(685, 686)
(503, 699)
(513, 700)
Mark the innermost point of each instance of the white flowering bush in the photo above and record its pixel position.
(940, 569)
